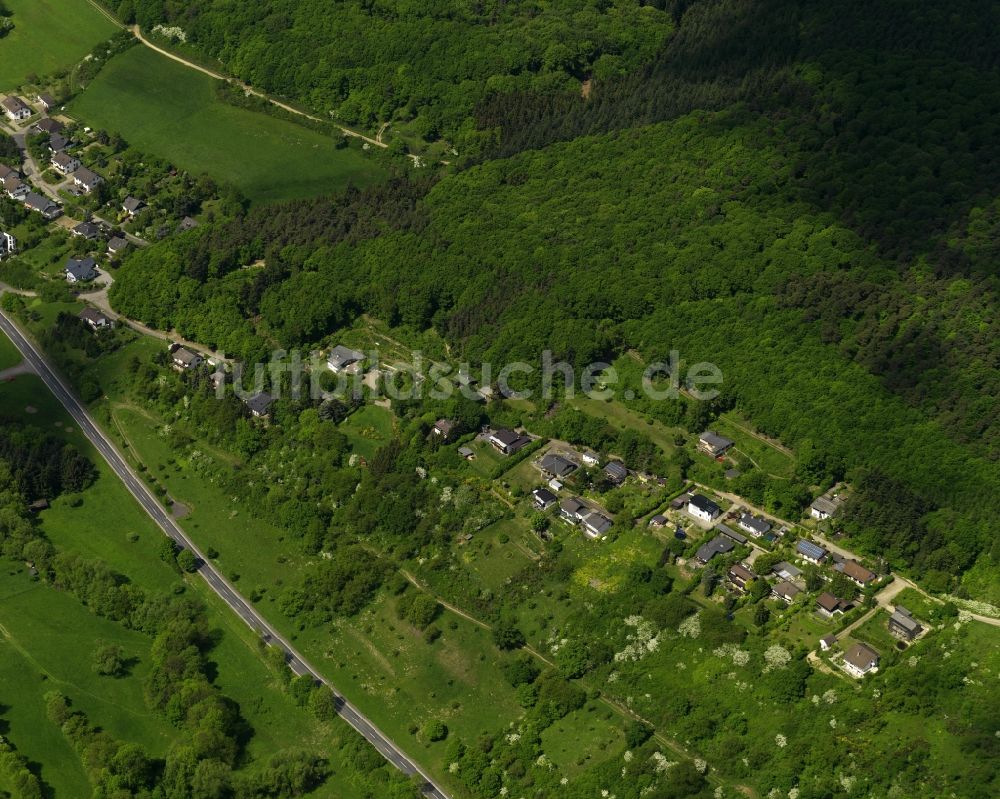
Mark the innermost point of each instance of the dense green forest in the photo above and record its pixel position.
(428, 63)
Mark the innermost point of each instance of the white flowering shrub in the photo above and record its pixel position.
(691, 626)
(830, 697)
(780, 741)
(170, 32)
(776, 657)
(642, 639)
(700, 765)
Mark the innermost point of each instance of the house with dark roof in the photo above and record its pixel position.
(65, 163)
(719, 545)
(342, 358)
(117, 245)
(827, 604)
(754, 525)
(46, 101)
(86, 230)
(814, 553)
(555, 465)
(15, 108)
(658, 521)
(595, 525)
(785, 591)
(259, 404)
(856, 573)
(48, 125)
(467, 452)
(827, 642)
(826, 506)
(183, 358)
(616, 472)
(860, 660)
(15, 188)
(903, 625)
(80, 270)
(701, 507)
(711, 443)
(443, 428)
(96, 319)
(507, 441)
(49, 209)
(543, 498)
(572, 509)
(58, 143)
(132, 205)
(740, 576)
(86, 179)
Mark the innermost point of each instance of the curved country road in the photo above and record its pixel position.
(296, 662)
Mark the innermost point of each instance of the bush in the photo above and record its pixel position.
(435, 730)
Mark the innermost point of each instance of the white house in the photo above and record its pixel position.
(86, 179)
(8, 244)
(65, 163)
(16, 108)
(860, 660)
(701, 507)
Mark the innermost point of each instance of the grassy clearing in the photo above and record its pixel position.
(9, 356)
(622, 418)
(165, 108)
(368, 429)
(766, 456)
(48, 35)
(584, 737)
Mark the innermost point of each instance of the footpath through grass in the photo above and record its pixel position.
(48, 35)
(165, 108)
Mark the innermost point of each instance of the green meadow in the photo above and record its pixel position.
(172, 111)
(48, 35)
(9, 356)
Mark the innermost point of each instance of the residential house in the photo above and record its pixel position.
(903, 625)
(826, 506)
(786, 571)
(658, 521)
(860, 660)
(443, 428)
(58, 143)
(96, 319)
(507, 441)
(341, 359)
(132, 206)
(732, 535)
(711, 443)
(259, 404)
(15, 107)
(740, 576)
(15, 188)
(785, 591)
(49, 209)
(827, 642)
(590, 458)
(65, 163)
(595, 525)
(719, 545)
(117, 245)
(183, 358)
(47, 125)
(187, 223)
(80, 270)
(555, 465)
(814, 553)
(679, 502)
(701, 507)
(754, 525)
(856, 573)
(543, 498)
(616, 472)
(8, 244)
(573, 510)
(555, 485)
(827, 604)
(467, 453)
(86, 179)
(46, 101)
(86, 230)
(8, 170)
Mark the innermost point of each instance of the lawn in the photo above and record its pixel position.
(172, 111)
(764, 455)
(368, 429)
(48, 35)
(9, 356)
(584, 737)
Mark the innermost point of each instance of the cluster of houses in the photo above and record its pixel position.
(16, 188)
(593, 522)
(84, 179)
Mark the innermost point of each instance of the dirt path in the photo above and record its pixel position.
(23, 368)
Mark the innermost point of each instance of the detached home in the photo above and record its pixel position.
(183, 358)
(341, 359)
(711, 443)
(740, 576)
(555, 465)
(80, 270)
(719, 545)
(86, 179)
(786, 592)
(572, 509)
(65, 163)
(117, 245)
(754, 525)
(543, 498)
(8, 244)
(49, 126)
(46, 101)
(903, 625)
(15, 188)
(595, 524)
(260, 404)
(786, 571)
(860, 660)
(827, 604)
(86, 230)
(96, 319)
(856, 573)
(16, 108)
(616, 472)
(443, 428)
(814, 553)
(132, 206)
(826, 506)
(507, 441)
(49, 209)
(701, 507)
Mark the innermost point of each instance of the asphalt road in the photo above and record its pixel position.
(215, 580)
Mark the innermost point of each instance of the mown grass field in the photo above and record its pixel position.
(48, 35)
(9, 356)
(172, 111)
(53, 634)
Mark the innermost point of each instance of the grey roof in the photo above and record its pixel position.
(260, 403)
(557, 465)
(132, 204)
(786, 590)
(829, 639)
(717, 546)
(86, 176)
(731, 534)
(732, 474)
(58, 142)
(810, 550)
(715, 441)
(825, 505)
(444, 426)
(63, 160)
(37, 202)
(117, 243)
(755, 524)
(597, 523)
(185, 356)
(341, 356)
(658, 519)
(14, 103)
(82, 268)
(571, 505)
(465, 451)
(94, 316)
(704, 504)
(786, 570)
(88, 230)
(903, 618)
(616, 471)
(47, 99)
(50, 125)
